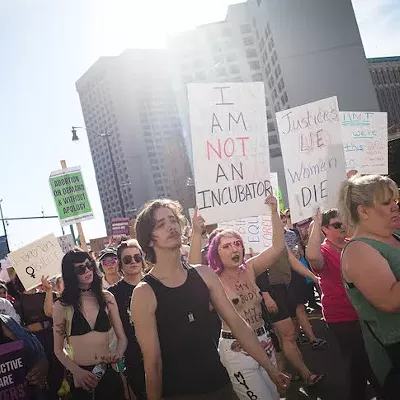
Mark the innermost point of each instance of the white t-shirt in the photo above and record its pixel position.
(8, 309)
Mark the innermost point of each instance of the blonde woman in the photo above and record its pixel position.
(371, 270)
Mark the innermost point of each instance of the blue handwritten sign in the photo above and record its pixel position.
(365, 141)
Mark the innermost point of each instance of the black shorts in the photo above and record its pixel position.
(297, 291)
(280, 295)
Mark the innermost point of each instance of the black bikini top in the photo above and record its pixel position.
(80, 326)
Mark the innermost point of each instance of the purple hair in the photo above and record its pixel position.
(214, 260)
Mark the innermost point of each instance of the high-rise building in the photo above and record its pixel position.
(303, 51)
(131, 98)
(385, 73)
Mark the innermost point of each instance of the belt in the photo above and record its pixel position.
(229, 335)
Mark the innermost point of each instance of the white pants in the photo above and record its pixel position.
(250, 381)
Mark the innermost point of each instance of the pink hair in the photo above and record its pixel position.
(214, 260)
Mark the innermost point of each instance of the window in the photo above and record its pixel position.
(268, 69)
(254, 65)
(250, 53)
(275, 152)
(284, 98)
(281, 85)
(258, 77)
(245, 28)
(269, 114)
(248, 41)
(277, 106)
(231, 57)
(274, 58)
(277, 71)
(274, 94)
(265, 57)
(237, 79)
(271, 126)
(273, 139)
(261, 44)
(234, 69)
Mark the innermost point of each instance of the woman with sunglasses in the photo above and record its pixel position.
(238, 277)
(108, 265)
(131, 265)
(83, 318)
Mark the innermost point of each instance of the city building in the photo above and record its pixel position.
(131, 98)
(303, 51)
(385, 73)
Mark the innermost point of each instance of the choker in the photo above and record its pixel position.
(85, 290)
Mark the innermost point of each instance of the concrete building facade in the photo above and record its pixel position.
(131, 97)
(385, 73)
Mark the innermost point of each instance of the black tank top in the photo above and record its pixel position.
(190, 359)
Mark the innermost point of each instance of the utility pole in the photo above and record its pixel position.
(4, 226)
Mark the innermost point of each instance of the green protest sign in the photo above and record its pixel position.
(70, 196)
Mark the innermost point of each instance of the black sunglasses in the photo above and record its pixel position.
(336, 225)
(128, 259)
(81, 269)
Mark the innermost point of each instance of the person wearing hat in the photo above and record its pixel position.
(108, 265)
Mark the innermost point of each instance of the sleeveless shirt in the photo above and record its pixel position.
(190, 360)
(386, 326)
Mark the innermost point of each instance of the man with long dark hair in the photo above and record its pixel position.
(170, 310)
(83, 317)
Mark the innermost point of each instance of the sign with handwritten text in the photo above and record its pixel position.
(256, 232)
(230, 149)
(13, 384)
(42, 257)
(313, 156)
(365, 141)
(70, 196)
(66, 243)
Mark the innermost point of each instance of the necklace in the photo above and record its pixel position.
(85, 290)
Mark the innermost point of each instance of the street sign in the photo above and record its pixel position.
(70, 196)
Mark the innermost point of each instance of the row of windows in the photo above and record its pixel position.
(384, 76)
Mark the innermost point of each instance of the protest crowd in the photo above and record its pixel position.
(190, 317)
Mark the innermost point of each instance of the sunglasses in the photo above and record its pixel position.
(336, 225)
(231, 245)
(128, 259)
(81, 269)
(109, 261)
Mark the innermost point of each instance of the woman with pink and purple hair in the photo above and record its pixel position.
(226, 257)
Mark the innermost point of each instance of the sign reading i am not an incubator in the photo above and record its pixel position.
(70, 196)
(230, 149)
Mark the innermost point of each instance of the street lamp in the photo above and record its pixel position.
(105, 135)
(4, 227)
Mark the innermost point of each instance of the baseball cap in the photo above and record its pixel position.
(107, 252)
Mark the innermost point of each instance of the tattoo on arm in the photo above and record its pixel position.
(60, 329)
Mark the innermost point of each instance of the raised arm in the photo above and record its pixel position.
(48, 301)
(82, 378)
(300, 268)
(241, 330)
(122, 341)
(143, 308)
(365, 267)
(313, 249)
(261, 262)
(195, 240)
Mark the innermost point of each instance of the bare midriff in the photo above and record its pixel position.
(90, 348)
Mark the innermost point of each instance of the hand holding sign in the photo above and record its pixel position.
(198, 222)
(272, 202)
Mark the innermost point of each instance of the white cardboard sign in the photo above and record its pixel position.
(230, 149)
(66, 243)
(42, 257)
(256, 232)
(313, 156)
(365, 141)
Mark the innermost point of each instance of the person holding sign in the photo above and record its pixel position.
(171, 313)
(238, 277)
(370, 267)
(83, 318)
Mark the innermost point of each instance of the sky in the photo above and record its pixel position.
(46, 45)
